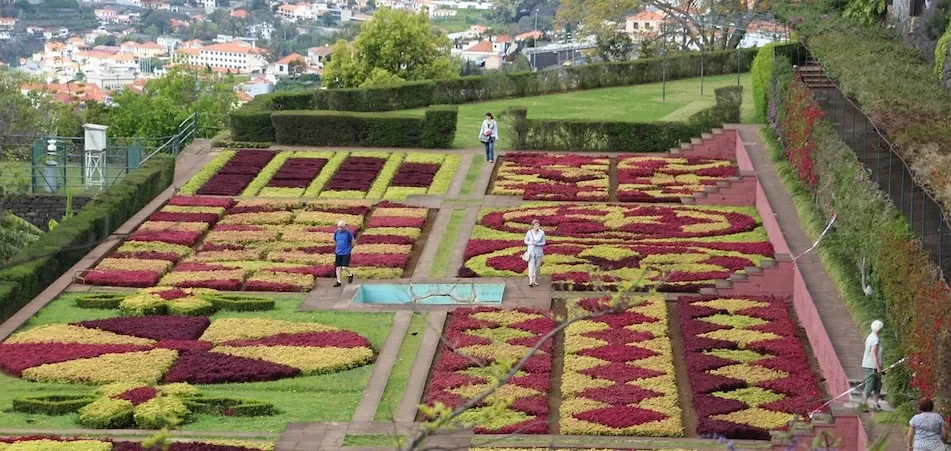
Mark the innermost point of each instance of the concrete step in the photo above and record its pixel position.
(736, 277)
(724, 284)
(768, 263)
(688, 200)
(706, 135)
(724, 183)
(686, 146)
(751, 270)
(696, 140)
(712, 291)
(711, 189)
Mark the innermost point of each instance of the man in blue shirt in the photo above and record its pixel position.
(343, 238)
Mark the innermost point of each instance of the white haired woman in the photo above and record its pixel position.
(872, 364)
(535, 242)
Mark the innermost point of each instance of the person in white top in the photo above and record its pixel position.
(927, 430)
(535, 240)
(872, 364)
(488, 135)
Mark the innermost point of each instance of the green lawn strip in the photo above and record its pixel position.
(327, 397)
(399, 375)
(374, 440)
(15, 173)
(469, 183)
(637, 103)
(447, 245)
(463, 19)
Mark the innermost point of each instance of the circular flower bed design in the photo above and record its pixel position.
(170, 349)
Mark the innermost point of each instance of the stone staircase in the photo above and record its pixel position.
(771, 278)
(814, 76)
(718, 144)
(737, 191)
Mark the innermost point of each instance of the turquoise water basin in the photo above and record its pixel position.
(481, 293)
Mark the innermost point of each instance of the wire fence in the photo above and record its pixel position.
(56, 164)
(882, 162)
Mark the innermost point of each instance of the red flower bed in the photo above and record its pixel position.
(200, 201)
(167, 216)
(539, 176)
(184, 345)
(668, 178)
(163, 327)
(465, 348)
(749, 372)
(355, 173)
(417, 175)
(221, 284)
(396, 222)
(202, 367)
(16, 357)
(237, 173)
(297, 172)
(337, 338)
(185, 238)
(132, 279)
(138, 395)
(147, 255)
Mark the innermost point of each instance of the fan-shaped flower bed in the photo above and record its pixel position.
(749, 372)
(268, 245)
(619, 373)
(477, 338)
(675, 248)
(536, 176)
(667, 179)
(168, 349)
(55, 443)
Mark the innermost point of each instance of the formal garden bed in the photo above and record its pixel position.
(84, 362)
(259, 244)
(56, 443)
(672, 248)
(325, 174)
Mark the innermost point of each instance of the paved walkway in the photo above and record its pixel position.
(846, 339)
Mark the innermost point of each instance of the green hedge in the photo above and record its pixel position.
(252, 122)
(41, 263)
(292, 100)
(435, 129)
(762, 66)
(597, 135)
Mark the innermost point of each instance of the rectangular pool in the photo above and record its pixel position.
(466, 293)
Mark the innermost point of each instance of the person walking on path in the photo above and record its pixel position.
(343, 240)
(488, 135)
(872, 364)
(535, 240)
(927, 430)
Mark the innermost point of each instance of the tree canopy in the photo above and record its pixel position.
(394, 46)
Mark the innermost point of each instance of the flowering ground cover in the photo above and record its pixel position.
(619, 372)
(325, 174)
(170, 349)
(749, 372)
(643, 178)
(675, 248)
(262, 245)
(477, 337)
(537, 176)
(56, 443)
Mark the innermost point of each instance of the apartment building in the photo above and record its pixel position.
(236, 56)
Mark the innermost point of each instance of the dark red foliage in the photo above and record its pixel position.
(184, 345)
(337, 338)
(161, 327)
(620, 416)
(168, 216)
(202, 367)
(181, 237)
(137, 395)
(201, 201)
(16, 357)
(260, 285)
(385, 239)
(221, 284)
(355, 173)
(297, 172)
(174, 293)
(133, 279)
(237, 173)
(147, 255)
(380, 221)
(419, 175)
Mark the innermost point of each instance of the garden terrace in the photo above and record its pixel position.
(219, 308)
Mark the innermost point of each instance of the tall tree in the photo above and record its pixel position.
(615, 47)
(393, 45)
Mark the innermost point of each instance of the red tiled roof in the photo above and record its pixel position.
(482, 47)
(646, 16)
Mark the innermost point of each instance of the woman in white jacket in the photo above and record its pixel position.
(535, 240)
(488, 135)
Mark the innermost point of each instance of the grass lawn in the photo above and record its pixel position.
(374, 440)
(638, 103)
(17, 173)
(399, 375)
(447, 245)
(463, 19)
(468, 185)
(328, 397)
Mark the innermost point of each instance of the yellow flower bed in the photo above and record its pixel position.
(309, 360)
(230, 329)
(146, 367)
(66, 333)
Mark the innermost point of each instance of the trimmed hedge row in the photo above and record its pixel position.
(594, 135)
(519, 84)
(41, 263)
(436, 129)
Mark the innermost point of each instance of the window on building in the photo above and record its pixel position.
(917, 7)
(636, 25)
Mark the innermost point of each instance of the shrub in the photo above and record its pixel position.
(106, 413)
(402, 96)
(240, 303)
(100, 301)
(439, 127)
(333, 128)
(51, 404)
(293, 100)
(45, 260)
(761, 69)
(160, 412)
(230, 407)
(252, 122)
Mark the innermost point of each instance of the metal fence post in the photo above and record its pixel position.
(865, 142)
(911, 217)
(924, 215)
(890, 155)
(902, 208)
(133, 156)
(941, 243)
(38, 150)
(854, 113)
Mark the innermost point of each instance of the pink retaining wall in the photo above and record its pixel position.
(738, 194)
(721, 146)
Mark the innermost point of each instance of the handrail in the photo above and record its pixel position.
(883, 137)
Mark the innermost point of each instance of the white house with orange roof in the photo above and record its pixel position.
(643, 24)
(240, 14)
(257, 86)
(7, 23)
(281, 68)
(238, 56)
(529, 35)
(143, 50)
(317, 56)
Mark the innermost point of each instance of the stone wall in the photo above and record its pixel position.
(910, 28)
(40, 208)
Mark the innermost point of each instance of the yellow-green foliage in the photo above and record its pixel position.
(106, 413)
(160, 412)
(762, 67)
(54, 445)
(941, 53)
